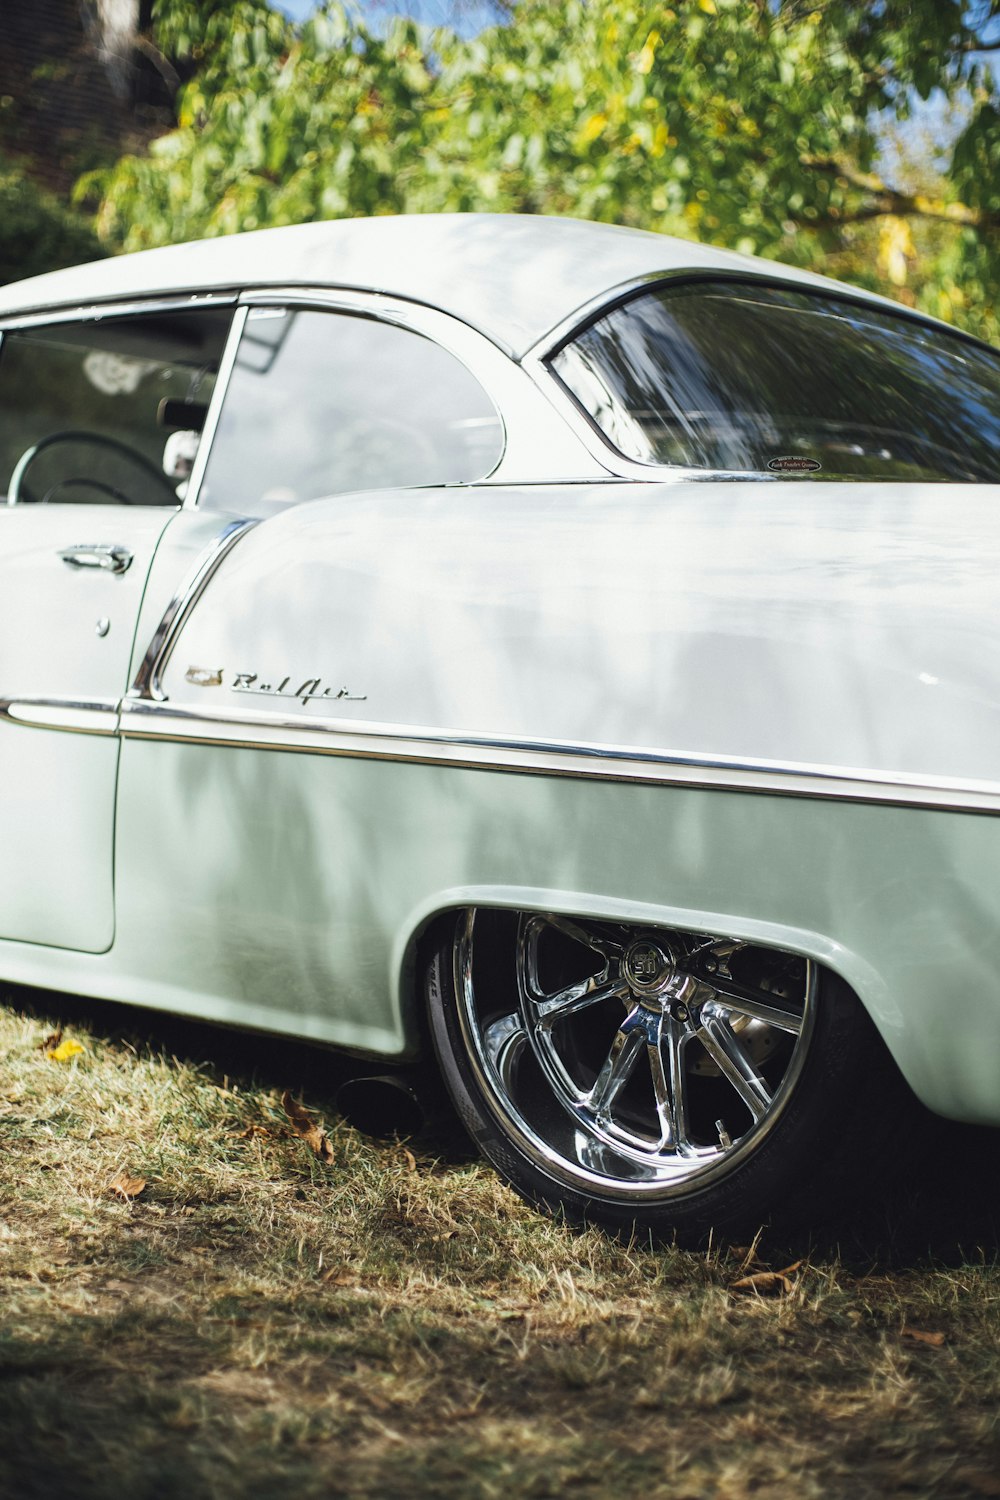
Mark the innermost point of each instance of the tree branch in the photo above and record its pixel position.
(163, 66)
(889, 200)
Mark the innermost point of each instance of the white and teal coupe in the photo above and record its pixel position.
(559, 651)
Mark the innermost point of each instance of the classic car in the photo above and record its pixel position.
(557, 651)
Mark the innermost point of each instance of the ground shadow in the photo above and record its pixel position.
(937, 1200)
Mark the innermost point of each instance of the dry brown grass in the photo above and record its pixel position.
(394, 1324)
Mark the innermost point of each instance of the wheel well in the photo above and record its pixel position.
(435, 925)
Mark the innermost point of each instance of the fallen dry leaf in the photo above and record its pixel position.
(764, 1284)
(65, 1051)
(920, 1336)
(305, 1126)
(51, 1042)
(126, 1186)
(411, 1160)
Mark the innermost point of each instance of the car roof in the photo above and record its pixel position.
(515, 277)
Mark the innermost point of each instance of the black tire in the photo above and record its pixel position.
(547, 1030)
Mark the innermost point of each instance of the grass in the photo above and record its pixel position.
(396, 1323)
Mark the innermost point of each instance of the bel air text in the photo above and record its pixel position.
(307, 690)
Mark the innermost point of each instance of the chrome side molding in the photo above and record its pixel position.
(356, 739)
(148, 679)
(94, 716)
(364, 740)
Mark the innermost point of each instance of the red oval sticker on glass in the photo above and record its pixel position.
(792, 464)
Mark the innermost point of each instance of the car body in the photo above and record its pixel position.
(382, 664)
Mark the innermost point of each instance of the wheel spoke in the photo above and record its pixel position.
(758, 1004)
(606, 946)
(668, 1086)
(619, 1065)
(724, 1048)
(721, 950)
(577, 997)
(504, 1041)
(662, 1094)
(677, 1042)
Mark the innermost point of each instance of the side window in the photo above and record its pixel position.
(107, 410)
(320, 403)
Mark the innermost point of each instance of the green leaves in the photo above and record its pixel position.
(37, 233)
(746, 124)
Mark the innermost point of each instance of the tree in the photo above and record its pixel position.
(37, 233)
(747, 123)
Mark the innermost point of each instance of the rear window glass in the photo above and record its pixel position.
(759, 378)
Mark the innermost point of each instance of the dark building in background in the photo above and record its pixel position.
(79, 84)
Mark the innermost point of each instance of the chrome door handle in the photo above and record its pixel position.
(99, 555)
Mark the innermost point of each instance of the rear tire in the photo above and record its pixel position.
(668, 1083)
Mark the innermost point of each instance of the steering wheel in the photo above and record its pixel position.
(97, 440)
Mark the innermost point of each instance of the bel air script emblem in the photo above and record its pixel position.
(307, 691)
(311, 688)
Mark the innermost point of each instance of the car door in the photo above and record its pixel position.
(100, 419)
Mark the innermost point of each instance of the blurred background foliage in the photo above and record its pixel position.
(857, 137)
(37, 230)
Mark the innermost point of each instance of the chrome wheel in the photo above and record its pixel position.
(629, 1063)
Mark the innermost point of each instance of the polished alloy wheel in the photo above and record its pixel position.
(629, 1063)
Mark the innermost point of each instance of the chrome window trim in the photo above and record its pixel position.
(95, 312)
(226, 366)
(535, 449)
(147, 683)
(602, 302)
(343, 299)
(535, 363)
(749, 275)
(449, 333)
(535, 360)
(527, 454)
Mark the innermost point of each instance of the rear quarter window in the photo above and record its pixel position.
(741, 376)
(321, 403)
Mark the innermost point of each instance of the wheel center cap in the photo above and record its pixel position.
(649, 969)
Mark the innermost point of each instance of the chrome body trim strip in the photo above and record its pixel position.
(97, 716)
(361, 739)
(147, 684)
(357, 739)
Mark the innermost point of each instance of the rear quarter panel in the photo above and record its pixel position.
(814, 624)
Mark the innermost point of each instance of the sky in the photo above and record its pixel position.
(469, 18)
